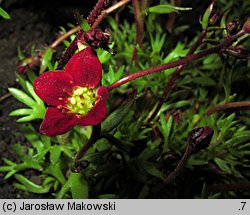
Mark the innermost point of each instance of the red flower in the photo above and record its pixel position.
(72, 94)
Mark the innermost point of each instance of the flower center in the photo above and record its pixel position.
(82, 101)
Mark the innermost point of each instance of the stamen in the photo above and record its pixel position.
(65, 91)
(73, 100)
(64, 111)
(78, 91)
(81, 101)
(59, 107)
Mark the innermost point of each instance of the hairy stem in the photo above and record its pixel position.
(112, 8)
(94, 137)
(99, 7)
(104, 13)
(229, 187)
(109, 10)
(230, 105)
(101, 4)
(69, 51)
(175, 76)
(173, 64)
(180, 166)
(139, 28)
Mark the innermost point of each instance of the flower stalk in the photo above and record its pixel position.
(229, 106)
(96, 23)
(243, 186)
(99, 7)
(175, 75)
(95, 135)
(190, 58)
(198, 139)
(139, 28)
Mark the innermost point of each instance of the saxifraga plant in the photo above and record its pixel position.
(137, 112)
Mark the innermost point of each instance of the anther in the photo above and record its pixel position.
(59, 107)
(64, 111)
(65, 91)
(73, 100)
(68, 93)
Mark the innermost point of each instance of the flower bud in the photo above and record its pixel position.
(214, 19)
(95, 38)
(233, 27)
(28, 63)
(199, 138)
(246, 26)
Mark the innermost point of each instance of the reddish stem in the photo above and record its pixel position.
(139, 28)
(229, 187)
(69, 51)
(173, 64)
(231, 105)
(99, 7)
(180, 166)
(175, 76)
(94, 137)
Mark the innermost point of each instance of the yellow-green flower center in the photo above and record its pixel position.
(82, 101)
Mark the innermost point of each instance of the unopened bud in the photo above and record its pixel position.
(199, 138)
(28, 63)
(95, 38)
(233, 27)
(246, 26)
(214, 19)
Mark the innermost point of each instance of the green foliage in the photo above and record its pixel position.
(36, 106)
(166, 8)
(207, 16)
(4, 14)
(46, 61)
(78, 186)
(84, 25)
(115, 118)
(53, 170)
(132, 151)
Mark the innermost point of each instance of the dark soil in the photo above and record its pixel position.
(32, 23)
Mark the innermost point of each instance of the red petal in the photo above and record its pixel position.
(103, 93)
(95, 116)
(55, 122)
(85, 68)
(51, 86)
